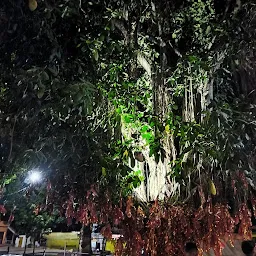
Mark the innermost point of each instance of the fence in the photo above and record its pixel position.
(53, 253)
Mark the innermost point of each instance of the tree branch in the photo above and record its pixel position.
(12, 132)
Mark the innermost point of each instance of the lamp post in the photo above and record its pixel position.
(33, 177)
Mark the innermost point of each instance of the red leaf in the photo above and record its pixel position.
(106, 231)
(49, 186)
(2, 209)
(69, 221)
(119, 247)
(93, 212)
(11, 218)
(118, 215)
(129, 205)
(82, 215)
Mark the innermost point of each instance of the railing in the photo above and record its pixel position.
(54, 253)
(67, 254)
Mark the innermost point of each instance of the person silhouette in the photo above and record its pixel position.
(191, 249)
(248, 248)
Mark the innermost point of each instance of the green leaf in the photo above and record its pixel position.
(96, 54)
(103, 170)
(44, 76)
(128, 118)
(118, 110)
(53, 70)
(144, 128)
(40, 92)
(192, 59)
(147, 136)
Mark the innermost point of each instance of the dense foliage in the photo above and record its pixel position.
(27, 210)
(153, 100)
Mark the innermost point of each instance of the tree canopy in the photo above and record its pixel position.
(141, 113)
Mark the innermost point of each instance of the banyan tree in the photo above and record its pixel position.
(184, 116)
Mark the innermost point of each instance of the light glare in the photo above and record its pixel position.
(35, 177)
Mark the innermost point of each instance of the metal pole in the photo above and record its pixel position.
(65, 248)
(13, 235)
(25, 245)
(8, 249)
(34, 245)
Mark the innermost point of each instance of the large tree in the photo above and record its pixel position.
(153, 99)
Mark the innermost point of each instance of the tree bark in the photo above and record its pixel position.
(85, 239)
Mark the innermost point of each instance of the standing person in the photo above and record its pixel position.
(248, 248)
(191, 249)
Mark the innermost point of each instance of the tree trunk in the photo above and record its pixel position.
(85, 239)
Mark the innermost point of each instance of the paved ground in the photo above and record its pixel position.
(15, 250)
(228, 251)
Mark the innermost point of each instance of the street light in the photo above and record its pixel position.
(34, 177)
